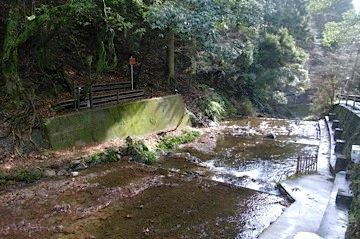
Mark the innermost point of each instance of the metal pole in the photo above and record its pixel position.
(132, 76)
(91, 97)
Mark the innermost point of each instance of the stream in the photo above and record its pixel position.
(228, 193)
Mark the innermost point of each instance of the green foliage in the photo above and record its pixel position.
(205, 28)
(292, 15)
(140, 151)
(149, 157)
(343, 32)
(28, 175)
(110, 155)
(215, 105)
(353, 230)
(5, 178)
(170, 143)
(245, 107)
(279, 68)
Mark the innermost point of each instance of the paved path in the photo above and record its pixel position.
(311, 194)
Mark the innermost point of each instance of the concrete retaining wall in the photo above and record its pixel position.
(134, 119)
(349, 122)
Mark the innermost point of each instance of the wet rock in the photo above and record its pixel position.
(194, 159)
(48, 173)
(54, 165)
(61, 208)
(185, 155)
(213, 124)
(270, 135)
(74, 163)
(62, 172)
(74, 174)
(80, 166)
(129, 216)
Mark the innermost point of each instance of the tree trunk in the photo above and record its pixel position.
(171, 57)
(14, 85)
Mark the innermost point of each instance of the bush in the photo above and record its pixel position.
(140, 151)
(170, 143)
(353, 230)
(245, 107)
(215, 105)
(28, 175)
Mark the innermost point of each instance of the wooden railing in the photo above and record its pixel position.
(120, 91)
(306, 164)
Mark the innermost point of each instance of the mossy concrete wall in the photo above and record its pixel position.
(129, 119)
(350, 123)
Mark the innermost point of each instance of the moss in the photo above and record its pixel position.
(353, 230)
(139, 151)
(170, 143)
(350, 123)
(135, 119)
(28, 175)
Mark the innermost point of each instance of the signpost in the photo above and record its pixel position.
(132, 62)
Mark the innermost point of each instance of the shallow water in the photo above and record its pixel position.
(244, 156)
(176, 199)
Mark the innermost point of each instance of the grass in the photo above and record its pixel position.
(171, 142)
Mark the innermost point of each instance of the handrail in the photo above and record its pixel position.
(90, 100)
(353, 98)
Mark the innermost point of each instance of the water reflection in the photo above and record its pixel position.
(256, 153)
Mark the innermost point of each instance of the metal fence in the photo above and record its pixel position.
(306, 164)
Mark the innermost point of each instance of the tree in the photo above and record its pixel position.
(35, 36)
(345, 35)
(279, 65)
(291, 14)
(204, 24)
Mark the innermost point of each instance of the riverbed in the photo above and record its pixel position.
(229, 192)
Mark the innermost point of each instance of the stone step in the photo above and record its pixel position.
(334, 222)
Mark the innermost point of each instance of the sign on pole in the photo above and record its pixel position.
(132, 62)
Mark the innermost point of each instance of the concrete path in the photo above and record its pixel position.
(312, 194)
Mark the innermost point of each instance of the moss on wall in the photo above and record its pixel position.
(350, 123)
(134, 119)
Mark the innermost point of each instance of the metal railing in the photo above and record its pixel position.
(306, 164)
(91, 101)
(347, 98)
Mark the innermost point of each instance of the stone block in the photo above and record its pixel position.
(338, 133)
(335, 124)
(355, 154)
(332, 116)
(343, 198)
(339, 145)
(341, 163)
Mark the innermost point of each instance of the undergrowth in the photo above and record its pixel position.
(353, 230)
(171, 142)
(141, 153)
(215, 105)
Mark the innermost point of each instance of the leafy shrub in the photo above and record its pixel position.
(140, 151)
(170, 143)
(353, 230)
(149, 157)
(215, 105)
(28, 175)
(5, 178)
(245, 107)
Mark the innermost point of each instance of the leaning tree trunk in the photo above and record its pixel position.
(22, 97)
(170, 53)
(14, 85)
